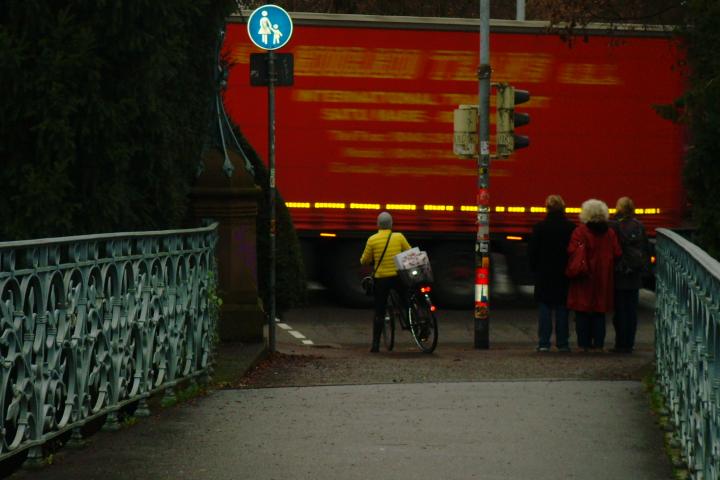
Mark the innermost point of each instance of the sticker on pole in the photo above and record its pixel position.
(270, 27)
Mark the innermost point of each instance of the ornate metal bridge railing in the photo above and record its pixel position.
(90, 324)
(687, 326)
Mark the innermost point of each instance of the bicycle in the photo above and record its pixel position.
(418, 316)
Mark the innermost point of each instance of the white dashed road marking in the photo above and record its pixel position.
(294, 333)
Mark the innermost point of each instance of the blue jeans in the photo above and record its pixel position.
(545, 325)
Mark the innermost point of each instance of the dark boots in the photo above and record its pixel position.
(377, 331)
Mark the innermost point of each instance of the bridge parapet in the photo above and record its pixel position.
(687, 326)
(90, 324)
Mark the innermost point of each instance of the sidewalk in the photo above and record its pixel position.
(440, 423)
(538, 430)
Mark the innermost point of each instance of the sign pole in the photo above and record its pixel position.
(269, 28)
(482, 242)
(271, 167)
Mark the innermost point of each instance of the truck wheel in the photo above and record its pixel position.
(453, 266)
(517, 263)
(342, 273)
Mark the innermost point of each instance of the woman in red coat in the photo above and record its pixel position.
(591, 295)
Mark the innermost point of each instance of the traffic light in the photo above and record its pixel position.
(465, 126)
(507, 119)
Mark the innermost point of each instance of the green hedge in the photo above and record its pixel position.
(701, 111)
(105, 112)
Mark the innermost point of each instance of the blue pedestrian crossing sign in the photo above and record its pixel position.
(270, 27)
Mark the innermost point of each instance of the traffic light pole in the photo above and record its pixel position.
(271, 192)
(482, 242)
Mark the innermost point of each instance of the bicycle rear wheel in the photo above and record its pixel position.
(392, 311)
(423, 324)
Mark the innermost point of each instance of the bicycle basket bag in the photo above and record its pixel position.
(413, 267)
(416, 275)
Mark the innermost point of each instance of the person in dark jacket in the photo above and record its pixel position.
(628, 273)
(590, 295)
(548, 257)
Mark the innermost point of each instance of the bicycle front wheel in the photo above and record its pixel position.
(423, 324)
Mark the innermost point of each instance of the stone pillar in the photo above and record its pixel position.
(233, 203)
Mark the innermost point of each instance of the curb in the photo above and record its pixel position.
(234, 360)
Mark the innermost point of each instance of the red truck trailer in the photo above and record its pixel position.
(368, 126)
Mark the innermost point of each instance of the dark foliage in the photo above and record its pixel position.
(573, 14)
(412, 8)
(702, 115)
(104, 113)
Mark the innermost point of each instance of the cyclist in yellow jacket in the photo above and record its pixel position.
(386, 276)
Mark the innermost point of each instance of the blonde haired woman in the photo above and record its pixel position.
(547, 253)
(591, 295)
(629, 270)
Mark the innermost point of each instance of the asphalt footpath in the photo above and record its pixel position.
(507, 429)
(484, 430)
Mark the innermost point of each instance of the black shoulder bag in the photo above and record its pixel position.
(368, 282)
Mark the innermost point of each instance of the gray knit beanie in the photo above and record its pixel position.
(384, 220)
